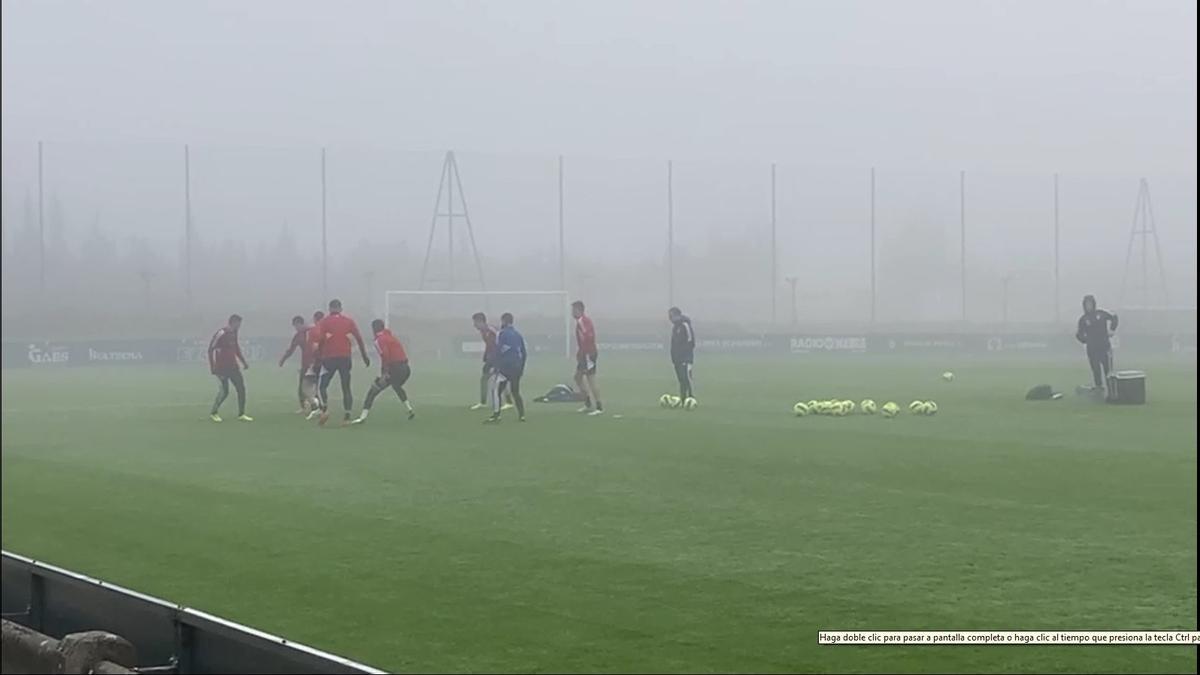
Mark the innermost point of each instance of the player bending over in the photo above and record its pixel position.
(507, 368)
(585, 367)
(223, 356)
(313, 338)
(1095, 328)
(307, 389)
(683, 350)
(336, 330)
(394, 370)
(488, 333)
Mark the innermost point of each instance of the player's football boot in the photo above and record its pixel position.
(507, 406)
(492, 419)
(412, 415)
(478, 406)
(595, 412)
(313, 413)
(215, 417)
(245, 418)
(358, 420)
(323, 418)
(585, 409)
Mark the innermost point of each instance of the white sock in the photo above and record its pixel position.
(408, 404)
(363, 415)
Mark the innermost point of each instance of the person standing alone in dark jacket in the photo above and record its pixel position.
(1095, 327)
(683, 350)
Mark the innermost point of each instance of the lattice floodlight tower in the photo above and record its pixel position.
(1144, 230)
(445, 213)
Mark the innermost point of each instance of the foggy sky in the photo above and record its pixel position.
(1011, 92)
(1070, 84)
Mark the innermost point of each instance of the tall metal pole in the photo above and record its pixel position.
(670, 236)
(774, 253)
(872, 244)
(1056, 277)
(562, 245)
(1144, 198)
(187, 221)
(324, 235)
(450, 214)
(962, 219)
(41, 224)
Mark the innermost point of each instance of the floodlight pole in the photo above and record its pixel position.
(562, 246)
(1057, 294)
(774, 250)
(187, 222)
(792, 282)
(872, 245)
(670, 235)
(962, 219)
(41, 223)
(324, 234)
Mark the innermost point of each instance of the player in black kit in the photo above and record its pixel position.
(1095, 327)
(683, 350)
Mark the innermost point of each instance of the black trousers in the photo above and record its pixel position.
(507, 384)
(341, 366)
(683, 372)
(1100, 359)
(223, 379)
(397, 375)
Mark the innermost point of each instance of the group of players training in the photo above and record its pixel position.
(325, 349)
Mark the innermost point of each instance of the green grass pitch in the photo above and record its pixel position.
(662, 540)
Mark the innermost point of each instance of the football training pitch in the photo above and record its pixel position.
(662, 540)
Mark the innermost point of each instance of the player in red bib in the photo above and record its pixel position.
(223, 356)
(394, 370)
(488, 333)
(313, 338)
(336, 330)
(585, 367)
(307, 389)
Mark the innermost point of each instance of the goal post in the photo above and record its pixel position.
(436, 320)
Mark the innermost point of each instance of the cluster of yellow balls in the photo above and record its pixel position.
(672, 401)
(839, 408)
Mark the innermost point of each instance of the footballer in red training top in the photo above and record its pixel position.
(307, 388)
(336, 329)
(585, 368)
(488, 333)
(223, 356)
(394, 370)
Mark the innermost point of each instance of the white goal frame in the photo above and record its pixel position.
(564, 304)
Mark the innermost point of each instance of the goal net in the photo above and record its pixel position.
(439, 322)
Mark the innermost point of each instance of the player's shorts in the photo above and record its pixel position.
(586, 364)
(336, 364)
(511, 374)
(233, 374)
(398, 374)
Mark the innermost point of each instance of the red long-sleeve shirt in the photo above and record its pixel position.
(224, 351)
(336, 330)
(390, 349)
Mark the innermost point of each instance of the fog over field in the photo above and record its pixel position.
(959, 114)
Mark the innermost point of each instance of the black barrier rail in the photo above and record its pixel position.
(168, 638)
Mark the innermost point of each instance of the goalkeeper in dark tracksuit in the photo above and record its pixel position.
(1095, 327)
(683, 350)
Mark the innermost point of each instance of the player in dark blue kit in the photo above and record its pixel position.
(1095, 327)
(508, 365)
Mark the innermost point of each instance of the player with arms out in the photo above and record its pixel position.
(307, 388)
(585, 367)
(683, 350)
(336, 330)
(488, 333)
(1094, 329)
(223, 356)
(508, 366)
(393, 362)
